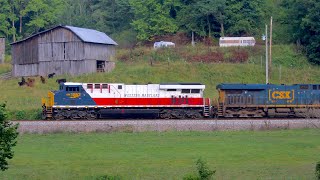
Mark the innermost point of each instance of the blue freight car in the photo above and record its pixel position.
(268, 100)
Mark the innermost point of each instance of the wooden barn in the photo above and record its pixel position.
(63, 50)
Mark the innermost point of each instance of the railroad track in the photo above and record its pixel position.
(135, 125)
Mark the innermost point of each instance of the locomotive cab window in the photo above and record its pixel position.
(104, 86)
(314, 87)
(72, 89)
(186, 91)
(119, 86)
(195, 91)
(97, 86)
(89, 86)
(304, 87)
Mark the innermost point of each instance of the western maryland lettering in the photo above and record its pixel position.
(275, 95)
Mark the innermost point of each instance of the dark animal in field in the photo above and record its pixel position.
(59, 81)
(23, 82)
(30, 82)
(51, 75)
(43, 80)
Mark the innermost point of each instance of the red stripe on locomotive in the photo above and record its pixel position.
(148, 101)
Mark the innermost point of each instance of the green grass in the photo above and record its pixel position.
(294, 69)
(286, 154)
(6, 67)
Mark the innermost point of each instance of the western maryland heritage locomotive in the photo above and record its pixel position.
(102, 100)
(180, 100)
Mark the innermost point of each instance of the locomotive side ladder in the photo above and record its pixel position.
(221, 101)
(206, 107)
(47, 104)
(220, 109)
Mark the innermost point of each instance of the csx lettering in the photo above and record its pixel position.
(281, 95)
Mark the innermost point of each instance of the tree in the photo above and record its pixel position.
(303, 20)
(42, 13)
(244, 17)
(8, 135)
(152, 17)
(4, 13)
(112, 16)
(310, 36)
(213, 11)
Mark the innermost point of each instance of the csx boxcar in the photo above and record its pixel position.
(103, 100)
(268, 100)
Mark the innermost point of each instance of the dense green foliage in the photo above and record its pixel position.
(294, 20)
(8, 135)
(318, 170)
(277, 154)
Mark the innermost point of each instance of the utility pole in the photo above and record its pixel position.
(192, 42)
(267, 64)
(270, 54)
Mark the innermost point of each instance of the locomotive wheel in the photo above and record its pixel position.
(74, 115)
(44, 115)
(165, 115)
(91, 115)
(58, 116)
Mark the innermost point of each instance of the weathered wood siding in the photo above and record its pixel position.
(59, 51)
(2, 49)
(25, 52)
(57, 36)
(99, 51)
(66, 67)
(25, 70)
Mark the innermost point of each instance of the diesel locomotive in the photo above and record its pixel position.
(180, 101)
(103, 100)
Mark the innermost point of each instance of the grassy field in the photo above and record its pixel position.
(25, 102)
(286, 154)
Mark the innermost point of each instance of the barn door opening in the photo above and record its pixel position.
(100, 66)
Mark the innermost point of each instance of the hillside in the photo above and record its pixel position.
(178, 65)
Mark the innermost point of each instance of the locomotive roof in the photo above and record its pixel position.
(254, 86)
(187, 84)
(242, 86)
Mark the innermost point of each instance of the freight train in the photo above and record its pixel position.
(180, 101)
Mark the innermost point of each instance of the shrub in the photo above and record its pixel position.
(20, 115)
(191, 177)
(239, 56)
(108, 177)
(8, 136)
(318, 170)
(203, 170)
(204, 173)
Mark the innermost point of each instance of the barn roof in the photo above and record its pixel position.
(86, 35)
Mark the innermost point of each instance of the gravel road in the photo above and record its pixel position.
(42, 127)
